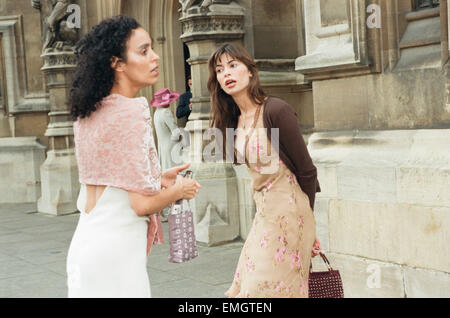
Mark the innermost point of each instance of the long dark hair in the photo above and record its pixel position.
(94, 77)
(224, 111)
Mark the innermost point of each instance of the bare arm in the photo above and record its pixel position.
(149, 204)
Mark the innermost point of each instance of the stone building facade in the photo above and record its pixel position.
(369, 80)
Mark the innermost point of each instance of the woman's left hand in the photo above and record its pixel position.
(316, 248)
(168, 177)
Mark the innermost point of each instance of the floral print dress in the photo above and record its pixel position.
(276, 256)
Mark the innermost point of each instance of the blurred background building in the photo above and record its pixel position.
(369, 80)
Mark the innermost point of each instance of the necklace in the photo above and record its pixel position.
(243, 120)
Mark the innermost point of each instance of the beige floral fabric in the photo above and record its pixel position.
(276, 256)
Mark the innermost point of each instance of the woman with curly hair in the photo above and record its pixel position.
(276, 256)
(122, 189)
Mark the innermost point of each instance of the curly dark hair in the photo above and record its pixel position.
(93, 77)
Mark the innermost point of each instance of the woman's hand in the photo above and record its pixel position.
(316, 248)
(187, 187)
(169, 176)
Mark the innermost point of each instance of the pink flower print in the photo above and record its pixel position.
(236, 276)
(282, 238)
(263, 242)
(278, 256)
(256, 147)
(287, 220)
(264, 239)
(280, 286)
(303, 287)
(281, 162)
(268, 185)
(291, 200)
(258, 169)
(249, 266)
(298, 263)
(295, 179)
(300, 221)
(295, 260)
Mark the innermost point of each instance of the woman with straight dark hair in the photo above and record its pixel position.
(276, 256)
(122, 188)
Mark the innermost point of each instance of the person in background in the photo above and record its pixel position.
(166, 131)
(185, 106)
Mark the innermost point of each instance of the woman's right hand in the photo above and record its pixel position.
(187, 188)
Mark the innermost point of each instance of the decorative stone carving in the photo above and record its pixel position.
(56, 34)
(223, 21)
(202, 5)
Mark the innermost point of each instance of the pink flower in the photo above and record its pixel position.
(258, 169)
(249, 266)
(300, 221)
(296, 260)
(291, 200)
(263, 242)
(236, 276)
(268, 185)
(293, 256)
(278, 257)
(256, 148)
(280, 286)
(281, 238)
(303, 287)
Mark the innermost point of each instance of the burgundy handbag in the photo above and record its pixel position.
(325, 284)
(181, 231)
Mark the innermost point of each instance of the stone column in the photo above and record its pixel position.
(216, 209)
(59, 173)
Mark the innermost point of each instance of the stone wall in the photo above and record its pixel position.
(385, 207)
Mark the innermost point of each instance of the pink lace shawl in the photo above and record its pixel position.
(115, 147)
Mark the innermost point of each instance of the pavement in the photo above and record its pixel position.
(34, 246)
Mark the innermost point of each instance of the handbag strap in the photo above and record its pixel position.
(325, 259)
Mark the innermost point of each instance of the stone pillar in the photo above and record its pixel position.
(59, 173)
(216, 207)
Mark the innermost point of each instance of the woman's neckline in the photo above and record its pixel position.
(126, 97)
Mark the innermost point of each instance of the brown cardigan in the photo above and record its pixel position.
(292, 147)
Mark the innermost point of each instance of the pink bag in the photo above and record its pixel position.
(181, 231)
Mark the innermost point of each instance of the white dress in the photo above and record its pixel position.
(107, 256)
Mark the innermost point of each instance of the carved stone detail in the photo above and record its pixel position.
(56, 34)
